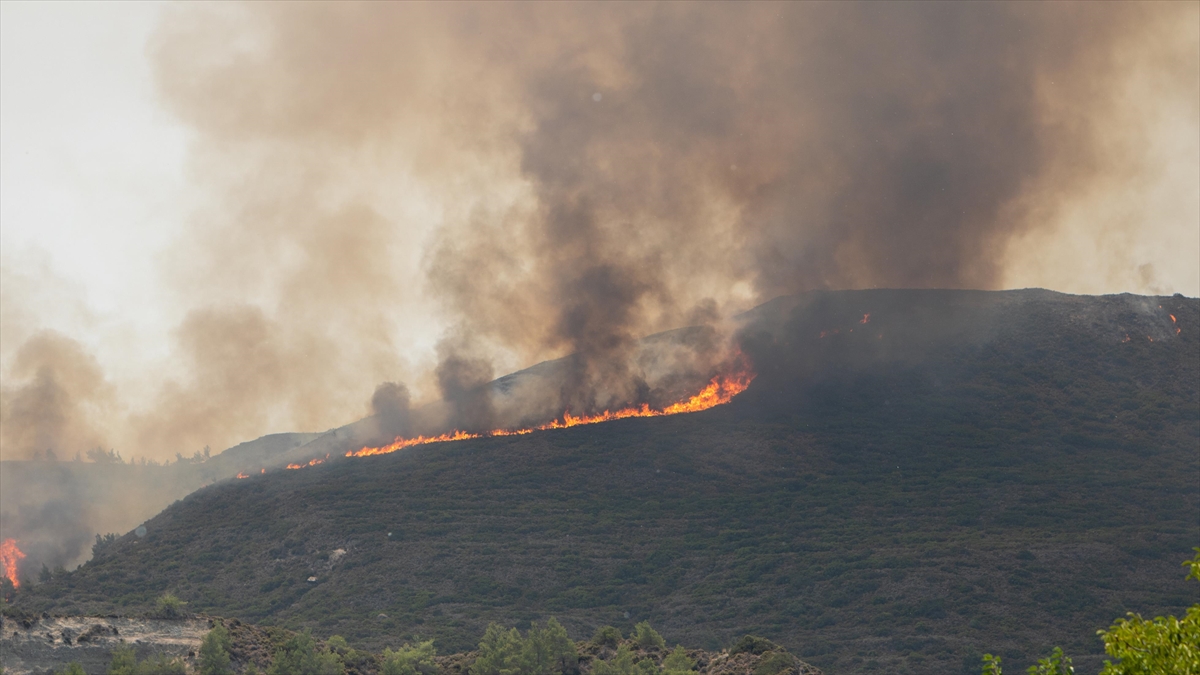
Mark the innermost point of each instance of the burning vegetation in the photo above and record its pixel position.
(10, 556)
(720, 390)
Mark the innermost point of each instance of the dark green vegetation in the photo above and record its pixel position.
(998, 471)
(232, 647)
(1138, 646)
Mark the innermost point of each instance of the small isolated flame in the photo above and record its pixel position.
(866, 318)
(10, 555)
(263, 470)
(243, 475)
(311, 462)
(721, 389)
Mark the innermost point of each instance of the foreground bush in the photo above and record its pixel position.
(124, 662)
(410, 660)
(1162, 646)
(543, 651)
(299, 656)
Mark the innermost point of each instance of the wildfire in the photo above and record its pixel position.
(311, 462)
(721, 389)
(10, 555)
(866, 318)
(242, 475)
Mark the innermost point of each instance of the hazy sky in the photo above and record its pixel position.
(240, 220)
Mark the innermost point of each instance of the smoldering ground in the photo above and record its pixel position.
(537, 181)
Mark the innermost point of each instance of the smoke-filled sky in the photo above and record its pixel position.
(225, 220)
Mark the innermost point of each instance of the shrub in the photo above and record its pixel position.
(774, 663)
(623, 664)
(752, 644)
(160, 665)
(214, 652)
(607, 636)
(647, 637)
(1141, 646)
(410, 660)
(169, 607)
(678, 663)
(73, 668)
(124, 661)
(299, 656)
(1164, 645)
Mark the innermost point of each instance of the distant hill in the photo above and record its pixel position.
(913, 478)
(55, 508)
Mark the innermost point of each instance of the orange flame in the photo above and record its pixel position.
(866, 318)
(242, 475)
(721, 389)
(9, 556)
(311, 462)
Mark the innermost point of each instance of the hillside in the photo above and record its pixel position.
(965, 471)
(56, 508)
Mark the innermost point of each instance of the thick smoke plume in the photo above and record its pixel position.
(437, 193)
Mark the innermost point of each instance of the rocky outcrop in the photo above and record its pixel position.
(38, 645)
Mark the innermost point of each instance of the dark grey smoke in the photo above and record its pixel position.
(390, 405)
(49, 514)
(589, 173)
(461, 378)
(674, 151)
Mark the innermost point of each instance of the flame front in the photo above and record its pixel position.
(9, 556)
(721, 389)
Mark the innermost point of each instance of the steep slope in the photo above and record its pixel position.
(956, 472)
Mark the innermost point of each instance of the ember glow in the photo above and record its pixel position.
(10, 555)
(242, 475)
(721, 389)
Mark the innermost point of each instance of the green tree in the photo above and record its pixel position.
(410, 659)
(548, 651)
(103, 542)
(543, 651)
(160, 665)
(773, 663)
(124, 661)
(299, 656)
(646, 637)
(678, 663)
(623, 663)
(214, 652)
(499, 652)
(607, 636)
(1162, 646)
(73, 668)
